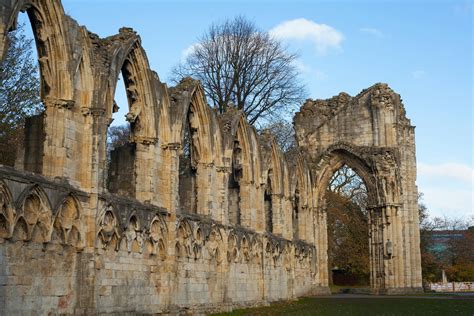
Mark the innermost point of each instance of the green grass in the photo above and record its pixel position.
(366, 306)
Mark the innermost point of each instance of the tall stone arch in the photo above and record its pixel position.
(134, 162)
(301, 190)
(48, 22)
(250, 164)
(275, 187)
(371, 134)
(194, 124)
(55, 35)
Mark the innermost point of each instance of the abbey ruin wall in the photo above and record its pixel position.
(198, 212)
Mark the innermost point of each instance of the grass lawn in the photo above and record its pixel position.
(366, 306)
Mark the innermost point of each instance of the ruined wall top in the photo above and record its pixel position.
(375, 117)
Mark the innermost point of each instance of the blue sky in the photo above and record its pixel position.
(422, 49)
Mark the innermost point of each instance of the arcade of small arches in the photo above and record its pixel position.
(197, 211)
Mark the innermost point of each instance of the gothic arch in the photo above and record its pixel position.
(250, 157)
(130, 59)
(108, 228)
(194, 126)
(339, 155)
(132, 162)
(301, 197)
(193, 110)
(34, 216)
(377, 168)
(184, 239)
(157, 240)
(214, 245)
(54, 52)
(7, 212)
(132, 237)
(67, 222)
(241, 150)
(276, 188)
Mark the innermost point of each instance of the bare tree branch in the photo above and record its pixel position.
(239, 65)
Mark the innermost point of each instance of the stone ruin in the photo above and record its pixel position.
(198, 212)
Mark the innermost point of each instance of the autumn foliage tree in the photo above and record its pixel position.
(348, 230)
(455, 255)
(348, 239)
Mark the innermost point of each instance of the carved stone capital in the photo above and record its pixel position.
(95, 112)
(205, 164)
(145, 140)
(171, 146)
(58, 103)
(223, 169)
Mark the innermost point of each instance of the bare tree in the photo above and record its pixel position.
(347, 183)
(19, 92)
(239, 65)
(284, 134)
(117, 136)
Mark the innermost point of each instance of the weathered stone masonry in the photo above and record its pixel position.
(229, 221)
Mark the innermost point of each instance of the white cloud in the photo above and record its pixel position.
(189, 50)
(301, 66)
(447, 170)
(447, 188)
(453, 203)
(309, 72)
(418, 74)
(372, 31)
(324, 37)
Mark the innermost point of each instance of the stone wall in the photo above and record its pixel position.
(452, 287)
(143, 259)
(87, 234)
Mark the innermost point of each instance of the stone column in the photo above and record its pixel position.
(245, 203)
(376, 233)
(93, 155)
(205, 196)
(221, 210)
(278, 215)
(146, 185)
(56, 148)
(170, 173)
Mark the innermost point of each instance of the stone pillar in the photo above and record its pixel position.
(287, 211)
(170, 174)
(221, 210)
(322, 243)
(309, 224)
(246, 199)
(377, 270)
(324, 235)
(205, 196)
(278, 215)
(92, 164)
(146, 185)
(56, 148)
